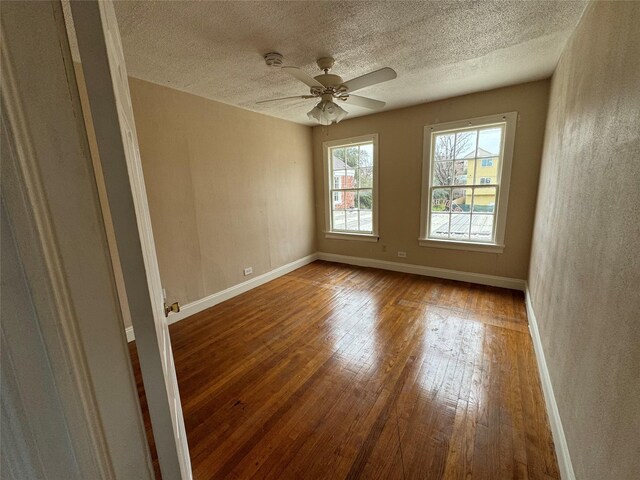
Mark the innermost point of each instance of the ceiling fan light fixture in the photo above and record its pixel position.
(317, 115)
(327, 112)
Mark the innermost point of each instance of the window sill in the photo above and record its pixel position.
(456, 245)
(362, 237)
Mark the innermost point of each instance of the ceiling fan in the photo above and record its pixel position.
(329, 87)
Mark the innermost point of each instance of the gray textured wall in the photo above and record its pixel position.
(585, 268)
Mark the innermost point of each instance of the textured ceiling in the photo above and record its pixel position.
(439, 49)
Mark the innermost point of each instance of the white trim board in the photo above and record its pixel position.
(480, 278)
(559, 439)
(219, 297)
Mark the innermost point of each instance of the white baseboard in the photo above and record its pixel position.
(481, 278)
(218, 297)
(559, 440)
(208, 302)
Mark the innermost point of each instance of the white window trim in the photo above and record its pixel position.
(504, 176)
(328, 201)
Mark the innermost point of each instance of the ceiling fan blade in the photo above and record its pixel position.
(372, 78)
(364, 102)
(302, 76)
(286, 98)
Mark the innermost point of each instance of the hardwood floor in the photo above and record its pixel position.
(340, 372)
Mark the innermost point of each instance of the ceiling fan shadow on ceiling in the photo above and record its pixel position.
(330, 88)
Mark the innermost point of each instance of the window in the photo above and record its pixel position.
(466, 170)
(487, 162)
(351, 188)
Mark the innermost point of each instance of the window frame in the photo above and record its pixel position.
(328, 181)
(503, 176)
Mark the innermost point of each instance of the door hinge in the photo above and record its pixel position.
(174, 307)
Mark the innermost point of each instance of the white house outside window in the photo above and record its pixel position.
(351, 188)
(466, 171)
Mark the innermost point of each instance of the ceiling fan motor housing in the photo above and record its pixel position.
(274, 59)
(329, 80)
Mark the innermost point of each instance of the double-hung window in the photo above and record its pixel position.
(465, 185)
(351, 188)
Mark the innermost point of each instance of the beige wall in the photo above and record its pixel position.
(400, 166)
(585, 267)
(227, 189)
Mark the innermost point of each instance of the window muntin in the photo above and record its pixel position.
(351, 170)
(464, 195)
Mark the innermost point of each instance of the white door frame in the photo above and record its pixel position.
(108, 92)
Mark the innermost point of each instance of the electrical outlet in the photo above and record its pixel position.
(248, 271)
(402, 254)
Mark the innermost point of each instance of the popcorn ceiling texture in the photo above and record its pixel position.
(585, 267)
(439, 49)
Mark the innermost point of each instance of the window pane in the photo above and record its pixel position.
(444, 146)
(489, 142)
(441, 200)
(351, 156)
(338, 178)
(465, 144)
(486, 180)
(484, 200)
(459, 228)
(339, 220)
(442, 172)
(487, 168)
(460, 172)
(338, 201)
(366, 221)
(439, 225)
(349, 199)
(486, 162)
(461, 200)
(365, 201)
(364, 178)
(482, 228)
(471, 172)
(352, 220)
(366, 155)
(337, 155)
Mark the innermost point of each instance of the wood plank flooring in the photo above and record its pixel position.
(340, 372)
